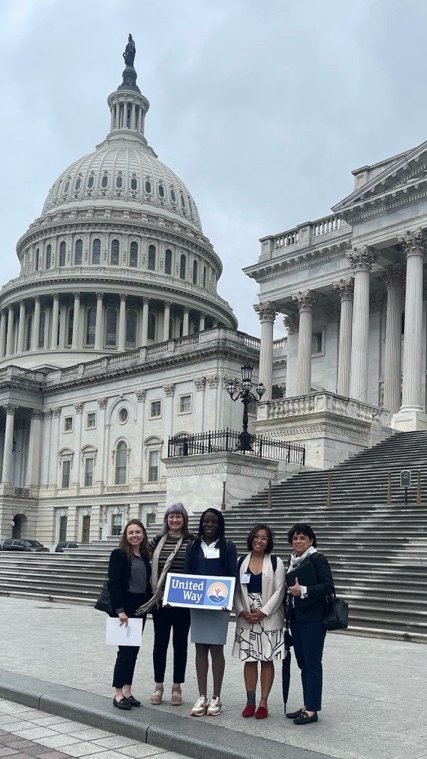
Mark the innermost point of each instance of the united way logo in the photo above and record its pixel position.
(217, 592)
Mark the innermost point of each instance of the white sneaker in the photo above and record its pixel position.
(199, 708)
(214, 707)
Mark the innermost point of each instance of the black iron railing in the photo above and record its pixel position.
(219, 441)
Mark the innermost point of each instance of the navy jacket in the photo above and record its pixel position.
(119, 576)
(315, 573)
(212, 567)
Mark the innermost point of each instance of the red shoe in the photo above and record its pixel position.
(261, 712)
(248, 711)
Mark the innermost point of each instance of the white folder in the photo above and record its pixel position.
(123, 635)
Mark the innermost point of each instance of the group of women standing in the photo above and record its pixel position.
(265, 594)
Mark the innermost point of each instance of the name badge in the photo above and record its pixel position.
(245, 578)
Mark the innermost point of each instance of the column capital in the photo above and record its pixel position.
(169, 390)
(305, 300)
(344, 288)
(200, 383)
(413, 243)
(57, 411)
(37, 414)
(186, 309)
(10, 408)
(55, 296)
(37, 299)
(99, 295)
(140, 396)
(102, 402)
(291, 323)
(78, 408)
(76, 296)
(393, 276)
(361, 259)
(123, 297)
(167, 304)
(266, 311)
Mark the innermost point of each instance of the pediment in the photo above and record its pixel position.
(399, 175)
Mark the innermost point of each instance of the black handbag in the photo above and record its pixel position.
(336, 617)
(103, 602)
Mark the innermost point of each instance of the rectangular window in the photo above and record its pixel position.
(68, 424)
(155, 409)
(88, 473)
(62, 528)
(66, 469)
(91, 420)
(153, 466)
(185, 404)
(151, 518)
(117, 524)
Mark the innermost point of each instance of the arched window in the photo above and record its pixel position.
(161, 190)
(195, 267)
(70, 326)
(131, 321)
(121, 462)
(182, 267)
(91, 327)
(151, 327)
(134, 184)
(62, 253)
(104, 181)
(48, 256)
(114, 253)
(37, 260)
(119, 182)
(168, 261)
(151, 257)
(133, 254)
(41, 329)
(173, 195)
(147, 185)
(111, 328)
(182, 199)
(78, 253)
(78, 183)
(96, 251)
(67, 186)
(90, 182)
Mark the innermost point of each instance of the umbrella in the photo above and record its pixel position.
(286, 668)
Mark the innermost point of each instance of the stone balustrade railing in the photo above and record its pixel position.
(306, 234)
(280, 345)
(324, 402)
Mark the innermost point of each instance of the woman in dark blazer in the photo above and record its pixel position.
(129, 574)
(309, 580)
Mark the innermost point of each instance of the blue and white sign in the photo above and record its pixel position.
(199, 591)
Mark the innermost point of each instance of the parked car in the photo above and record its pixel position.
(66, 544)
(20, 544)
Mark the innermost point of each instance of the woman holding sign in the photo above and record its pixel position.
(129, 586)
(168, 555)
(212, 555)
(258, 601)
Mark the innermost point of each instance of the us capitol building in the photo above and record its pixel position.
(113, 338)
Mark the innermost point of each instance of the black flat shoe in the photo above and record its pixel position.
(122, 704)
(132, 701)
(305, 719)
(294, 715)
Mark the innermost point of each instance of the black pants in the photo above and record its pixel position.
(167, 618)
(308, 639)
(127, 655)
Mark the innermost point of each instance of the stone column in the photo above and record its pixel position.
(47, 428)
(55, 318)
(34, 452)
(3, 334)
(63, 309)
(21, 327)
(345, 290)
(305, 302)
(99, 343)
(361, 261)
(202, 322)
(413, 245)
(99, 475)
(36, 324)
(122, 323)
(10, 326)
(78, 407)
(7, 473)
(144, 330)
(76, 321)
(393, 279)
(166, 319)
(266, 315)
(186, 322)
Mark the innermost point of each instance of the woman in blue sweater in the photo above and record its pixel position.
(210, 554)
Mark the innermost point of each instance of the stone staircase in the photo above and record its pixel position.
(378, 552)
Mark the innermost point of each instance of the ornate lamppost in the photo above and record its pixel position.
(244, 393)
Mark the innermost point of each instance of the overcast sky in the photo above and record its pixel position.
(263, 109)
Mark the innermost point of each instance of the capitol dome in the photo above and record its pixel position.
(117, 259)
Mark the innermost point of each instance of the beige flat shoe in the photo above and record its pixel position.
(157, 697)
(176, 699)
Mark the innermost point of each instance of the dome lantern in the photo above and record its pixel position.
(127, 105)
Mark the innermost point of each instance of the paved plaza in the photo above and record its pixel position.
(374, 692)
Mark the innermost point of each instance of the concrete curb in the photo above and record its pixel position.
(194, 738)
